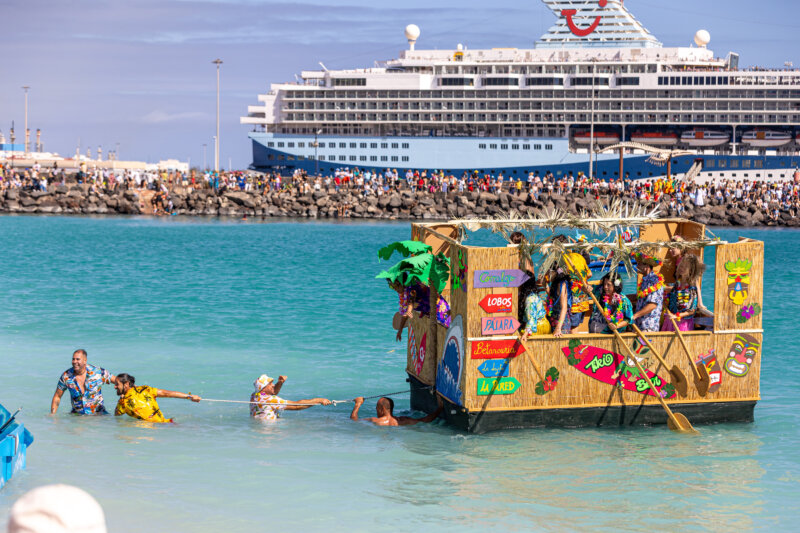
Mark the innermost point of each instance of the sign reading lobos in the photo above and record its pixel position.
(485, 279)
(496, 303)
(500, 349)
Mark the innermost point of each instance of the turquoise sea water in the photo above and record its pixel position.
(207, 306)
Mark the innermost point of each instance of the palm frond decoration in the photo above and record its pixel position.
(424, 268)
(406, 248)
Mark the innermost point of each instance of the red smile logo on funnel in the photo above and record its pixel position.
(582, 32)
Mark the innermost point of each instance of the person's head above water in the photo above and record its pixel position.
(385, 406)
(123, 383)
(79, 361)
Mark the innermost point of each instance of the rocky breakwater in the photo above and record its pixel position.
(399, 205)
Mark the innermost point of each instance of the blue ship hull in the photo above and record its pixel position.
(456, 155)
(14, 442)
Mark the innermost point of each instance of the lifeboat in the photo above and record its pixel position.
(655, 138)
(701, 137)
(600, 138)
(766, 138)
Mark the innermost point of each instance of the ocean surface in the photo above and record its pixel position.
(207, 305)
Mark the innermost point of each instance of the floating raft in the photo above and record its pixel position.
(14, 442)
(493, 381)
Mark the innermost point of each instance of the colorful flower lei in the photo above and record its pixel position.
(644, 293)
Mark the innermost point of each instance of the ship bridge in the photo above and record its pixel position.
(595, 23)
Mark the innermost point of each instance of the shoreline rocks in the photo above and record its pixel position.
(80, 199)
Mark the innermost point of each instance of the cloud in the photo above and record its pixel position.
(160, 117)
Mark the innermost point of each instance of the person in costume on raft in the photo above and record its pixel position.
(385, 410)
(684, 296)
(529, 286)
(84, 382)
(140, 402)
(265, 404)
(616, 306)
(650, 296)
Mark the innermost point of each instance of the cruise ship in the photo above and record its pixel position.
(596, 88)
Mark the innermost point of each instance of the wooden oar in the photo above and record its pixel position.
(702, 381)
(676, 375)
(675, 421)
(535, 366)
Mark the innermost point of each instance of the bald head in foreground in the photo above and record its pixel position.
(385, 408)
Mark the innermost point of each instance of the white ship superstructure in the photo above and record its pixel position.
(521, 110)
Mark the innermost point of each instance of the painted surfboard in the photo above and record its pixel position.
(614, 369)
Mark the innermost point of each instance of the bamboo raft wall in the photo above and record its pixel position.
(578, 364)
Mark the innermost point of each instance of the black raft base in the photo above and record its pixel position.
(423, 399)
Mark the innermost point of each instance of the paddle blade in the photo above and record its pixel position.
(705, 380)
(680, 424)
(679, 381)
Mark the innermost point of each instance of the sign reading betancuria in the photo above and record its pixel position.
(487, 386)
(494, 368)
(500, 349)
(496, 303)
(499, 325)
(485, 279)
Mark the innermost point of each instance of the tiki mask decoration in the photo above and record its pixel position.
(738, 280)
(744, 351)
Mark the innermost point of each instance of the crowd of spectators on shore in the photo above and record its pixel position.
(769, 196)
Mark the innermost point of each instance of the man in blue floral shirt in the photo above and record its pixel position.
(650, 296)
(83, 381)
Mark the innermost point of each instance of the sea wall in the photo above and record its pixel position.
(396, 205)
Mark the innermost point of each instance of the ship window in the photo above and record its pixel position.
(588, 81)
(349, 82)
(526, 146)
(270, 144)
(322, 158)
(384, 158)
(342, 158)
(537, 82)
(500, 81)
(481, 146)
(405, 145)
(352, 158)
(342, 145)
(537, 146)
(384, 145)
(280, 145)
(322, 145)
(271, 156)
(394, 145)
(460, 82)
(493, 147)
(504, 147)
(515, 147)
(735, 163)
(301, 145)
(721, 163)
(628, 80)
(363, 145)
(373, 145)
(711, 163)
(404, 158)
(301, 158)
(352, 145)
(759, 163)
(290, 145)
(394, 158)
(280, 157)
(548, 146)
(373, 158)
(746, 163)
(362, 158)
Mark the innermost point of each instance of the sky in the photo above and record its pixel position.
(137, 74)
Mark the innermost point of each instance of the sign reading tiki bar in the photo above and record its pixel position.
(485, 279)
(500, 349)
(496, 303)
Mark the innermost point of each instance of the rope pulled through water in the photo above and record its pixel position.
(333, 402)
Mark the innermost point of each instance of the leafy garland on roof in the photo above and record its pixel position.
(422, 267)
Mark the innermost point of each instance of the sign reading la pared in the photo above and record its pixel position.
(487, 386)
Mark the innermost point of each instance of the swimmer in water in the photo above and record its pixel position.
(385, 411)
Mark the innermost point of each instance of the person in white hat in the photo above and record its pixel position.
(265, 404)
(57, 509)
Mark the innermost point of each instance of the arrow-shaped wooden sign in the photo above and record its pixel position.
(485, 279)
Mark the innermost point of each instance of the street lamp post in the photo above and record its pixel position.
(217, 62)
(316, 157)
(27, 135)
(591, 128)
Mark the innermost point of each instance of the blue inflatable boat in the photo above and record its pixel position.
(14, 442)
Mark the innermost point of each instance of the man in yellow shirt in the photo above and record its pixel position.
(140, 402)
